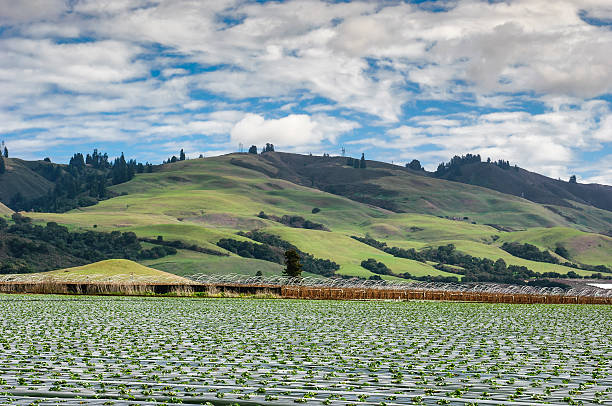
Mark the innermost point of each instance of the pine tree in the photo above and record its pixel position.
(120, 170)
(292, 261)
(253, 149)
(182, 155)
(5, 152)
(362, 163)
(2, 166)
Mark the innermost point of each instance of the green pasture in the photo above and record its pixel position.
(201, 201)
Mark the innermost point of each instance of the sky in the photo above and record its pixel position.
(529, 81)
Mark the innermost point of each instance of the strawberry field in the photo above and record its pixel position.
(104, 351)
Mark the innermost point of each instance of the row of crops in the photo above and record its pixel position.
(125, 350)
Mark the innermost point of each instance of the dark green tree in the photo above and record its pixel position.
(415, 164)
(562, 251)
(293, 266)
(2, 166)
(572, 179)
(5, 152)
(182, 155)
(253, 149)
(120, 170)
(362, 162)
(499, 267)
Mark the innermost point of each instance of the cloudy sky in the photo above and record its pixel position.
(528, 81)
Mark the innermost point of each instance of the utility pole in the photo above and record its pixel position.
(240, 148)
(343, 151)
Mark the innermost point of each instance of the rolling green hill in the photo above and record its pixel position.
(203, 200)
(532, 186)
(586, 248)
(402, 190)
(20, 178)
(112, 270)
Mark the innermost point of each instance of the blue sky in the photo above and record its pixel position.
(526, 81)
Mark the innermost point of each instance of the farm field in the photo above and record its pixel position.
(279, 352)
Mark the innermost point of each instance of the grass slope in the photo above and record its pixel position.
(19, 178)
(403, 190)
(586, 248)
(112, 270)
(5, 211)
(203, 200)
(533, 186)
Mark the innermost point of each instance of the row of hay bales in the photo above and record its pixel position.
(304, 292)
(290, 292)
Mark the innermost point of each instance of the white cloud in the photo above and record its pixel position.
(546, 142)
(27, 10)
(290, 131)
(358, 57)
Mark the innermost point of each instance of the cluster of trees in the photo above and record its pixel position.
(456, 162)
(502, 164)
(268, 148)
(380, 268)
(533, 253)
(294, 221)
(473, 269)
(453, 167)
(530, 252)
(356, 163)
(415, 164)
(376, 267)
(123, 171)
(272, 248)
(174, 159)
(25, 241)
(83, 182)
(248, 249)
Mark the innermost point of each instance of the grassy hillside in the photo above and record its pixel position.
(203, 200)
(113, 270)
(190, 263)
(403, 190)
(5, 211)
(20, 178)
(532, 186)
(586, 248)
